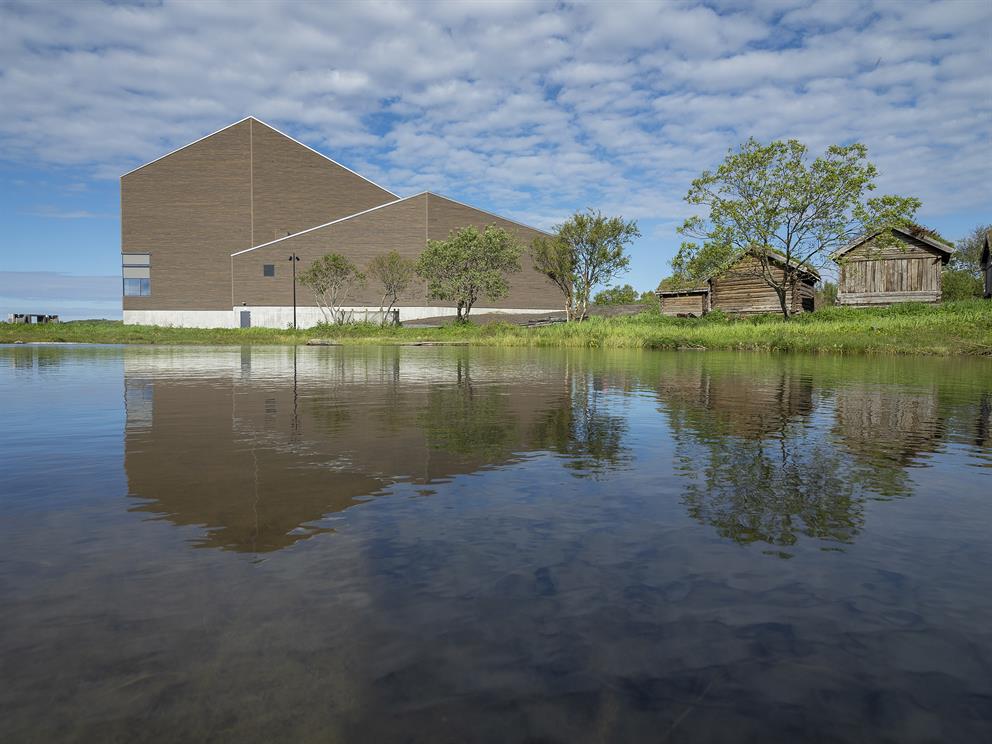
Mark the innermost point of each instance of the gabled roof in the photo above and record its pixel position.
(703, 287)
(777, 258)
(942, 248)
(383, 206)
(274, 129)
(773, 256)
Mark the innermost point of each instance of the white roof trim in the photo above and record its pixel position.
(188, 144)
(326, 224)
(484, 211)
(324, 156)
(387, 204)
(279, 131)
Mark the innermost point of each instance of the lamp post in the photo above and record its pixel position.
(294, 258)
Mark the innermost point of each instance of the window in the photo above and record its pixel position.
(137, 287)
(268, 269)
(136, 272)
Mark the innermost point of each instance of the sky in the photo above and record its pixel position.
(528, 109)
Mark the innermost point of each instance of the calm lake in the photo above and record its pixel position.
(429, 544)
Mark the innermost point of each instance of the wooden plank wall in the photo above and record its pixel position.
(683, 304)
(878, 276)
(738, 291)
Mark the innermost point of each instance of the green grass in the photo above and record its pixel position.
(963, 327)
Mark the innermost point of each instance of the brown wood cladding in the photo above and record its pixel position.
(683, 304)
(190, 211)
(295, 188)
(738, 291)
(528, 288)
(870, 275)
(239, 187)
(403, 226)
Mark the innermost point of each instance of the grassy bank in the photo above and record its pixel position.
(953, 328)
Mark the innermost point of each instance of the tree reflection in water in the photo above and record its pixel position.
(582, 429)
(755, 470)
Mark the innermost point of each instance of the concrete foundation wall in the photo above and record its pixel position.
(282, 317)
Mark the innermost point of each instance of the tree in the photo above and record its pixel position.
(587, 250)
(468, 265)
(827, 294)
(967, 255)
(650, 301)
(790, 214)
(625, 295)
(395, 274)
(331, 279)
(555, 260)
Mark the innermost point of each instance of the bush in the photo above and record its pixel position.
(960, 284)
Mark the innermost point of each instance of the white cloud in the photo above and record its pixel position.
(529, 108)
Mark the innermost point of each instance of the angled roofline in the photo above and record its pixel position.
(327, 224)
(380, 206)
(325, 157)
(486, 211)
(188, 144)
(279, 131)
(935, 244)
(773, 255)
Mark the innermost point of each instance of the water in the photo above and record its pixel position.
(472, 545)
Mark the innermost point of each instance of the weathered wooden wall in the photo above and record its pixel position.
(740, 291)
(696, 304)
(870, 275)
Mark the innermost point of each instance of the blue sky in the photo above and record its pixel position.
(531, 110)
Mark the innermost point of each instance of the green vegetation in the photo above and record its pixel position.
(395, 274)
(469, 265)
(588, 250)
(331, 279)
(769, 201)
(618, 295)
(953, 328)
(963, 275)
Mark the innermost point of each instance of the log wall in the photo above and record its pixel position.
(740, 291)
(696, 304)
(870, 275)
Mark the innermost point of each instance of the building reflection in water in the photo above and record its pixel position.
(773, 449)
(259, 446)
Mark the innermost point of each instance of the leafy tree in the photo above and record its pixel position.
(827, 294)
(395, 274)
(968, 252)
(555, 260)
(587, 250)
(959, 284)
(789, 213)
(468, 265)
(625, 295)
(331, 279)
(650, 301)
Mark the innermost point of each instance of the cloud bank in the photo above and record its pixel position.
(531, 109)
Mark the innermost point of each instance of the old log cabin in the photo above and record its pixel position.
(873, 274)
(740, 289)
